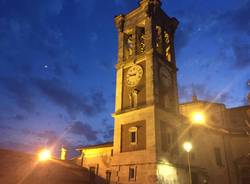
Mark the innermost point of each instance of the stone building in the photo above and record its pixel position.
(150, 125)
(221, 145)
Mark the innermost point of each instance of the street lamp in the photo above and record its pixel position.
(44, 155)
(198, 118)
(188, 147)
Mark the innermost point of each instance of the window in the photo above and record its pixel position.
(133, 135)
(175, 150)
(218, 158)
(132, 173)
(140, 40)
(192, 155)
(159, 39)
(92, 173)
(108, 177)
(111, 152)
(166, 137)
(190, 133)
(195, 178)
(168, 46)
(128, 45)
(92, 170)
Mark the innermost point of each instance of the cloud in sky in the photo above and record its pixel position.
(19, 117)
(242, 55)
(57, 92)
(20, 91)
(50, 137)
(183, 36)
(237, 22)
(203, 93)
(238, 18)
(83, 129)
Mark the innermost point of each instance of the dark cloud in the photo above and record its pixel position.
(19, 117)
(26, 68)
(107, 64)
(203, 93)
(236, 23)
(108, 134)
(239, 18)
(242, 55)
(75, 68)
(20, 91)
(57, 92)
(6, 127)
(108, 130)
(19, 146)
(126, 4)
(36, 140)
(58, 69)
(83, 129)
(49, 136)
(98, 102)
(29, 36)
(183, 35)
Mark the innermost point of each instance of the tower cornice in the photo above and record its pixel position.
(154, 2)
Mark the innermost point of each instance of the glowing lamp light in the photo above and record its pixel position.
(44, 155)
(187, 146)
(198, 118)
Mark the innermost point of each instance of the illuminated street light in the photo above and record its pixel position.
(198, 118)
(44, 155)
(188, 147)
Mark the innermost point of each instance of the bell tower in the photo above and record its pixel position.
(146, 112)
(146, 59)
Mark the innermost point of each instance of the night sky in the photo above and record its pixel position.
(57, 57)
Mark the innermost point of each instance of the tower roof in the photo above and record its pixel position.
(155, 2)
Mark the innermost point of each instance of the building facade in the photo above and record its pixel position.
(222, 143)
(150, 125)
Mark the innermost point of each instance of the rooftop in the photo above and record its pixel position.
(101, 145)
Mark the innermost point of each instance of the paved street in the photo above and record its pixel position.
(21, 168)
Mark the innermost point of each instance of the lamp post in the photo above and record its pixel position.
(198, 118)
(188, 147)
(44, 156)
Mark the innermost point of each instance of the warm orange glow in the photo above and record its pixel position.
(198, 118)
(167, 172)
(187, 146)
(63, 154)
(44, 155)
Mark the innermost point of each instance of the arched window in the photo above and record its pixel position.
(133, 135)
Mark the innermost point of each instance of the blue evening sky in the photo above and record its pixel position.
(57, 57)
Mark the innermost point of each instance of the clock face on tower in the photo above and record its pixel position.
(134, 75)
(165, 77)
